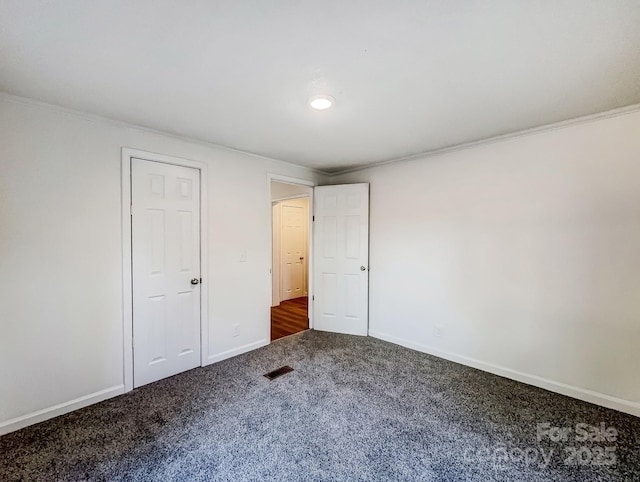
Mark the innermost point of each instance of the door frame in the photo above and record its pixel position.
(300, 182)
(127, 259)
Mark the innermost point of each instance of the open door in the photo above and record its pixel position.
(341, 258)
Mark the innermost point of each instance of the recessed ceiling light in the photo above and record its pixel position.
(321, 102)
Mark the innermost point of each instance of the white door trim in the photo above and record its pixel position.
(127, 287)
(302, 182)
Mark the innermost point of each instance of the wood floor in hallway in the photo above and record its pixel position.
(289, 317)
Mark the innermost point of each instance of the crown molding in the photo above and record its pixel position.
(630, 109)
(127, 125)
(421, 155)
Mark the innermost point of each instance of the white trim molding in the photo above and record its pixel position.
(494, 139)
(236, 351)
(127, 295)
(127, 125)
(288, 179)
(331, 173)
(60, 409)
(583, 394)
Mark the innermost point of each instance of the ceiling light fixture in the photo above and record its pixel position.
(321, 102)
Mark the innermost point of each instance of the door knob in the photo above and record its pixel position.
(301, 258)
(195, 281)
(362, 268)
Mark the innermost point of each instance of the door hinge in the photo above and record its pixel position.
(313, 218)
(130, 210)
(313, 297)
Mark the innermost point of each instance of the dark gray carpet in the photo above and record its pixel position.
(353, 409)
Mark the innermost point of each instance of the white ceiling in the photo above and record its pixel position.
(408, 76)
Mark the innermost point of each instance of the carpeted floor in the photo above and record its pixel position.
(353, 409)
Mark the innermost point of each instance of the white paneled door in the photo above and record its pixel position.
(341, 258)
(166, 269)
(293, 238)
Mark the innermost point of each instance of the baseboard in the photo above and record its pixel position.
(81, 402)
(236, 351)
(622, 405)
(60, 409)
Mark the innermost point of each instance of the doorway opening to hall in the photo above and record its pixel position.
(290, 204)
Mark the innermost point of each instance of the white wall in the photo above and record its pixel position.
(60, 254)
(525, 253)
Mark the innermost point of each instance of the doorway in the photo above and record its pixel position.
(290, 208)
